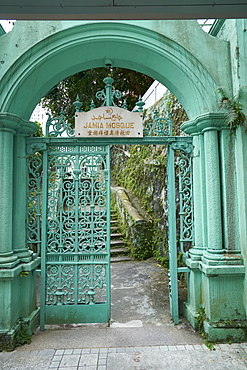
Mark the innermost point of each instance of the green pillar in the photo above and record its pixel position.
(197, 251)
(220, 269)
(230, 213)
(20, 192)
(18, 311)
(213, 197)
(8, 126)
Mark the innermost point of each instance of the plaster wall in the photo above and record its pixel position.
(235, 32)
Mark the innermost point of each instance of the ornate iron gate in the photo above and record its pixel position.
(75, 276)
(69, 215)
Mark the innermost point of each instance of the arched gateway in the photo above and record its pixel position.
(193, 65)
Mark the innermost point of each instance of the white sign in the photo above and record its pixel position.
(108, 122)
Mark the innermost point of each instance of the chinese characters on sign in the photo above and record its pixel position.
(108, 122)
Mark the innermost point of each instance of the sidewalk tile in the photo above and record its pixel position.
(197, 346)
(86, 350)
(57, 358)
(54, 365)
(121, 349)
(164, 348)
(59, 352)
(77, 351)
(172, 348)
(88, 360)
(69, 361)
(68, 351)
(180, 348)
(189, 347)
(235, 345)
(103, 355)
(102, 361)
(243, 345)
(112, 350)
(94, 350)
(103, 350)
(155, 348)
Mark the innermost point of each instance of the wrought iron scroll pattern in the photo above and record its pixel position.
(34, 166)
(184, 163)
(76, 255)
(59, 126)
(159, 126)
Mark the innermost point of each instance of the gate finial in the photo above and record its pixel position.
(109, 93)
(77, 104)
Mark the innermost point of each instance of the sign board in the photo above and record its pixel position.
(108, 122)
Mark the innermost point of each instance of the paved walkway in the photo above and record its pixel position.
(141, 335)
(183, 357)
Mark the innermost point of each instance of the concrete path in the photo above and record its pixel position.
(141, 335)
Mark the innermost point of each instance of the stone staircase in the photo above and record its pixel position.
(119, 250)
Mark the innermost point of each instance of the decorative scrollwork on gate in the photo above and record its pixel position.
(34, 165)
(159, 126)
(76, 248)
(92, 284)
(59, 126)
(184, 163)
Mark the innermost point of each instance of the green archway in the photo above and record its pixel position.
(50, 59)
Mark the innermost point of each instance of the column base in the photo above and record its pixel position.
(17, 303)
(228, 331)
(24, 255)
(8, 260)
(196, 253)
(214, 257)
(191, 315)
(20, 333)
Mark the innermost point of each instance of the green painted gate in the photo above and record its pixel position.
(68, 220)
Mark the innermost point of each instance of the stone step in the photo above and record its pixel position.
(115, 236)
(117, 243)
(121, 259)
(114, 229)
(119, 251)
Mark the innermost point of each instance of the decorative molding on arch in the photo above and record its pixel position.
(64, 48)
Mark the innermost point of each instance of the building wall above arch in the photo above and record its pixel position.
(38, 54)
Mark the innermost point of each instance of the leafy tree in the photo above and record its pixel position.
(85, 84)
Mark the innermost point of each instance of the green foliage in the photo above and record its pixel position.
(143, 242)
(23, 337)
(143, 172)
(38, 133)
(168, 104)
(24, 273)
(235, 115)
(201, 317)
(87, 83)
(163, 260)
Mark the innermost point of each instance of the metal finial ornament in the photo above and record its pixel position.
(140, 104)
(92, 105)
(109, 93)
(125, 105)
(77, 104)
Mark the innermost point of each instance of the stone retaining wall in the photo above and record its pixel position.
(138, 230)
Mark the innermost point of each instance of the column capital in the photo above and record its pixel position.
(205, 122)
(12, 122)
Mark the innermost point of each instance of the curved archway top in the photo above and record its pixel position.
(37, 55)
